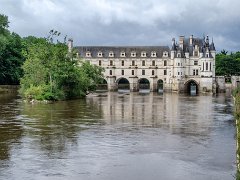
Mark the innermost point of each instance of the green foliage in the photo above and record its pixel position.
(11, 57)
(51, 73)
(228, 64)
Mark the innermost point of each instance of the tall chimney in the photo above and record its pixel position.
(181, 41)
(70, 45)
(191, 40)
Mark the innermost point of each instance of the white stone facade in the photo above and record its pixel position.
(191, 61)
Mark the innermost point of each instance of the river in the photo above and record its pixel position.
(118, 136)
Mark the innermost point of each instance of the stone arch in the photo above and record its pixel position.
(160, 86)
(143, 84)
(123, 84)
(102, 85)
(191, 87)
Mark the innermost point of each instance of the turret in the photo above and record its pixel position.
(212, 49)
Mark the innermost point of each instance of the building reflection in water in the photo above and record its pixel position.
(189, 115)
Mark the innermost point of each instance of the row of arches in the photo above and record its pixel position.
(191, 87)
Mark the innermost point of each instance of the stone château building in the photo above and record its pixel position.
(188, 64)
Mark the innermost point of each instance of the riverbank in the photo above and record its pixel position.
(8, 88)
(237, 117)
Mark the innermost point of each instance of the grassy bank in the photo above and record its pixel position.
(236, 95)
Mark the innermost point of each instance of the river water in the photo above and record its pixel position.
(118, 137)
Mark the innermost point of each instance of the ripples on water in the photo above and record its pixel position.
(118, 136)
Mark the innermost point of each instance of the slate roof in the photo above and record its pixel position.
(82, 50)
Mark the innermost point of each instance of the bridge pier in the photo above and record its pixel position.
(134, 84)
(112, 86)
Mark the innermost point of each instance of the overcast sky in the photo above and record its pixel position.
(127, 22)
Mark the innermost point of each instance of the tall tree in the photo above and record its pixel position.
(11, 58)
(51, 74)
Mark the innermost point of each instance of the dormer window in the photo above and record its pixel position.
(88, 54)
(133, 54)
(207, 55)
(143, 54)
(100, 54)
(153, 54)
(111, 54)
(178, 55)
(195, 53)
(165, 54)
(122, 54)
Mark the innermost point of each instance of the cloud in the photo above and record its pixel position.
(127, 22)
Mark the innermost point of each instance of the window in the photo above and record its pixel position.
(178, 73)
(133, 54)
(195, 62)
(165, 54)
(153, 63)
(165, 63)
(178, 55)
(194, 72)
(123, 54)
(133, 63)
(133, 72)
(111, 62)
(143, 54)
(195, 53)
(88, 54)
(206, 66)
(197, 72)
(110, 72)
(100, 54)
(143, 72)
(210, 66)
(153, 72)
(143, 63)
(203, 66)
(165, 72)
(122, 63)
(111, 54)
(207, 55)
(153, 54)
(178, 64)
(99, 63)
(122, 72)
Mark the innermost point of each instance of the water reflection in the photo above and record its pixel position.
(10, 127)
(118, 136)
(56, 126)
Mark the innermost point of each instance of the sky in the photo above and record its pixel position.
(127, 22)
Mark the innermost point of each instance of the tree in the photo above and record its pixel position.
(11, 58)
(228, 65)
(51, 73)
